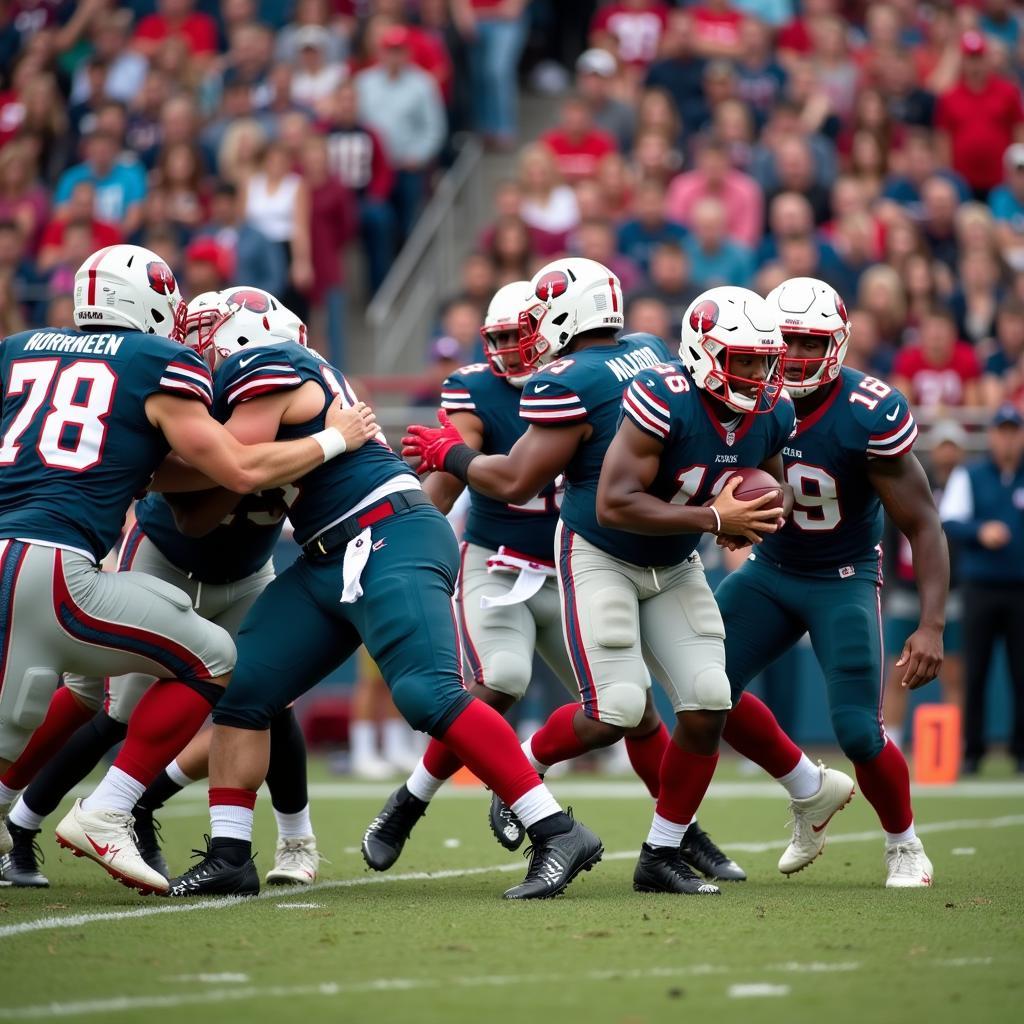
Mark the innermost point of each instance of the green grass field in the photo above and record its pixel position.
(432, 940)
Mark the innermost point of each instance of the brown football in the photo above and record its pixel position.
(756, 482)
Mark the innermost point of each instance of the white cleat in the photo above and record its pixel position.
(811, 816)
(907, 865)
(296, 862)
(371, 769)
(6, 842)
(107, 838)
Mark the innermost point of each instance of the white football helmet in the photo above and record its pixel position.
(725, 322)
(220, 323)
(567, 297)
(500, 332)
(129, 287)
(805, 305)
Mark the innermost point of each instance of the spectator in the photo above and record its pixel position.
(789, 216)
(276, 202)
(733, 125)
(939, 372)
(45, 125)
(207, 268)
(1007, 204)
(679, 72)
(656, 113)
(714, 257)
(646, 314)
(648, 227)
(1004, 367)
(177, 19)
(403, 104)
(315, 75)
(511, 250)
(575, 143)
(983, 515)
(16, 279)
(120, 185)
(865, 351)
(738, 193)
(784, 125)
(180, 175)
(495, 32)
(939, 204)
(595, 240)
(911, 166)
(359, 162)
(249, 255)
(760, 77)
(906, 101)
(654, 159)
(427, 49)
(239, 152)
(596, 71)
(794, 169)
(717, 29)
(835, 73)
(125, 68)
(881, 293)
(632, 29)
(670, 283)
(976, 300)
(980, 116)
(22, 198)
(332, 227)
(79, 209)
(446, 356)
(312, 14)
(549, 205)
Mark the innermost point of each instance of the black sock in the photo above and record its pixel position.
(286, 775)
(160, 790)
(73, 762)
(235, 851)
(552, 825)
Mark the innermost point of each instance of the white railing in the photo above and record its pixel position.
(401, 315)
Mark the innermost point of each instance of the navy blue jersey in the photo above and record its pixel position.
(587, 387)
(529, 528)
(330, 491)
(837, 518)
(75, 443)
(700, 453)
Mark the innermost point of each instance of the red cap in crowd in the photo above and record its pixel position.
(972, 43)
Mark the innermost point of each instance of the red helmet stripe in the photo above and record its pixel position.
(615, 298)
(91, 300)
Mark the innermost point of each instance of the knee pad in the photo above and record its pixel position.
(622, 704)
(858, 732)
(508, 673)
(614, 619)
(32, 699)
(711, 689)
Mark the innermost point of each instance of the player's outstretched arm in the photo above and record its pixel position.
(212, 449)
(625, 503)
(534, 461)
(442, 488)
(903, 488)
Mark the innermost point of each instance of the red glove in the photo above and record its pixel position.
(431, 445)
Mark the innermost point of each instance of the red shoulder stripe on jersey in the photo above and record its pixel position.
(642, 418)
(262, 385)
(889, 435)
(552, 415)
(889, 453)
(656, 403)
(559, 400)
(187, 387)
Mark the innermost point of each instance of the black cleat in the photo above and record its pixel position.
(662, 869)
(555, 862)
(707, 859)
(507, 828)
(147, 839)
(20, 867)
(386, 834)
(213, 876)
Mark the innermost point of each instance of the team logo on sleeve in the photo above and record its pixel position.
(551, 285)
(704, 316)
(161, 280)
(254, 301)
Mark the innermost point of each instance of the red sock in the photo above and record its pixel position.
(440, 761)
(885, 782)
(685, 778)
(556, 739)
(486, 744)
(168, 716)
(752, 730)
(63, 717)
(646, 754)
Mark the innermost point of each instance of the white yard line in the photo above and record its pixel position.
(159, 906)
(333, 989)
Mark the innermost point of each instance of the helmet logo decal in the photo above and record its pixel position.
(704, 316)
(551, 285)
(161, 280)
(250, 299)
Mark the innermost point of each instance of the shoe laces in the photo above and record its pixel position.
(293, 853)
(904, 858)
(397, 823)
(148, 839)
(702, 843)
(27, 855)
(542, 865)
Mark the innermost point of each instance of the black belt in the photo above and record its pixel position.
(340, 534)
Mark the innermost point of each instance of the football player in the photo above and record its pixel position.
(223, 573)
(88, 414)
(379, 567)
(686, 426)
(507, 596)
(850, 458)
(568, 337)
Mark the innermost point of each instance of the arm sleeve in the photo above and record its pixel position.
(646, 405)
(550, 402)
(254, 375)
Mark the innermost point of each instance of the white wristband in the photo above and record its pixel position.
(718, 520)
(332, 441)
